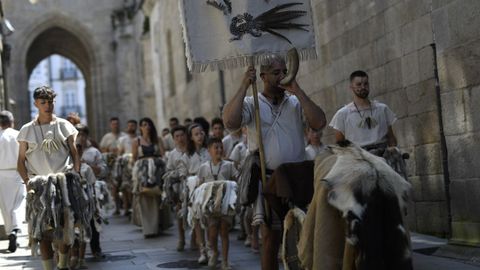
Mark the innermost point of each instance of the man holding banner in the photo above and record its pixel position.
(225, 34)
(282, 132)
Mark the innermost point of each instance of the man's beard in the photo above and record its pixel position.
(363, 94)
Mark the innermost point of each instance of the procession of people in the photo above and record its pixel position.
(188, 176)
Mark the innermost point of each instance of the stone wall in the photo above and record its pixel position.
(457, 37)
(391, 40)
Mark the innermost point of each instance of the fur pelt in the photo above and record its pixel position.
(361, 193)
(292, 226)
(55, 204)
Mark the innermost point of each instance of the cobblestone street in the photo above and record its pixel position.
(126, 249)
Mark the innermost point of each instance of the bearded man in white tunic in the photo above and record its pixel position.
(281, 123)
(367, 123)
(12, 188)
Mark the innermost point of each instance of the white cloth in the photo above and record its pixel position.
(225, 170)
(8, 149)
(347, 120)
(282, 129)
(39, 162)
(311, 151)
(208, 37)
(168, 142)
(87, 173)
(125, 144)
(189, 165)
(173, 158)
(92, 156)
(213, 199)
(110, 141)
(239, 154)
(229, 142)
(12, 193)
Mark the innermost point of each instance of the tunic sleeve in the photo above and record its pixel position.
(67, 129)
(390, 116)
(247, 111)
(338, 121)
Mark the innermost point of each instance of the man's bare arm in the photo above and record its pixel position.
(232, 112)
(74, 153)
(21, 167)
(339, 137)
(313, 113)
(391, 139)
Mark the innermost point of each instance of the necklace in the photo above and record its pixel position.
(48, 144)
(369, 121)
(215, 176)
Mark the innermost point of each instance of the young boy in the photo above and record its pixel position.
(315, 145)
(217, 169)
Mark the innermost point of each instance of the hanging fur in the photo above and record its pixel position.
(292, 226)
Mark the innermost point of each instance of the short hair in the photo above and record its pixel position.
(178, 128)
(358, 73)
(114, 119)
(82, 128)
(217, 121)
(213, 140)
(44, 92)
(173, 119)
(187, 119)
(133, 121)
(268, 62)
(6, 118)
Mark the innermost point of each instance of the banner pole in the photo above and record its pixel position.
(261, 151)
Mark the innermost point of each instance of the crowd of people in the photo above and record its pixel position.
(189, 173)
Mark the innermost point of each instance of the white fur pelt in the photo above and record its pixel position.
(358, 195)
(214, 199)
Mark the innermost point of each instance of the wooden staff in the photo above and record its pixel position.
(261, 151)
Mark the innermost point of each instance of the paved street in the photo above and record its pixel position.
(126, 249)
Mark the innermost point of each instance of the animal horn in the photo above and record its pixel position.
(293, 63)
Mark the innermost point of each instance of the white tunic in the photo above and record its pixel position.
(39, 162)
(92, 156)
(225, 170)
(239, 154)
(189, 165)
(110, 141)
(229, 143)
(282, 129)
(311, 151)
(8, 149)
(12, 189)
(173, 159)
(125, 144)
(347, 121)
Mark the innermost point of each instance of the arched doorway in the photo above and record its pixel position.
(58, 41)
(67, 80)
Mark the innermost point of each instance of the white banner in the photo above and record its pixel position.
(223, 34)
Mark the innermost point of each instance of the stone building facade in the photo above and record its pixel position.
(134, 65)
(393, 41)
(101, 37)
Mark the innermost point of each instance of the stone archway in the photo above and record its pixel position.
(57, 34)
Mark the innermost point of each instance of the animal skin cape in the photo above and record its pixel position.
(226, 34)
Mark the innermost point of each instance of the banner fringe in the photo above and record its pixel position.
(244, 61)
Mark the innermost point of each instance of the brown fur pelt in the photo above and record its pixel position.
(292, 226)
